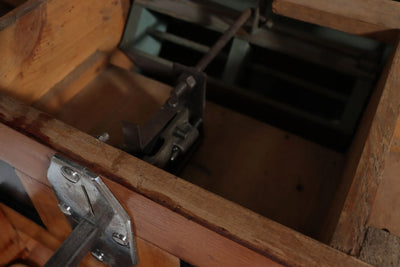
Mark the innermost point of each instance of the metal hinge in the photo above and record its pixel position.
(100, 224)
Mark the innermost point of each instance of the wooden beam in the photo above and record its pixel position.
(371, 18)
(366, 160)
(42, 41)
(199, 215)
(11, 247)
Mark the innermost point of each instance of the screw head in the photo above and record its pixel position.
(98, 255)
(70, 174)
(120, 239)
(191, 81)
(65, 208)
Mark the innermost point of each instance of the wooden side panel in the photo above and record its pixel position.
(42, 41)
(366, 159)
(372, 18)
(179, 198)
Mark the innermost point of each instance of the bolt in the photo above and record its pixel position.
(191, 81)
(120, 239)
(270, 24)
(98, 255)
(104, 137)
(175, 153)
(70, 174)
(173, 102)
(65, 208)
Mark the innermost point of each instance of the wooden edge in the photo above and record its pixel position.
(366, 159)
(198, 206)
(149, 254)
(370, 18)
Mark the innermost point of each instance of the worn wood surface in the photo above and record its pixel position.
(366, 160)
(215, 214)
(43, 41)
(372, 18)
(380, 248)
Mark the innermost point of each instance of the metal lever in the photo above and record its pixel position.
(183, 110)
(76, 246)
(100, 223)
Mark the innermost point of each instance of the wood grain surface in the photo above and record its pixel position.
(43, 41)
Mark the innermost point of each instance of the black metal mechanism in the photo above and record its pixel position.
(302, 78)
(174, 129)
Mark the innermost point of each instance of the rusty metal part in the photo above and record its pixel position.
(223, 40)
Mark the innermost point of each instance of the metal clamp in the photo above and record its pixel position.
(100, 223)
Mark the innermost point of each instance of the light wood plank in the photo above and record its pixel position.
(43, 41)
(372, 18)
(220, 216)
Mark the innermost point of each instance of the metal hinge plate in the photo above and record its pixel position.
(83, 196)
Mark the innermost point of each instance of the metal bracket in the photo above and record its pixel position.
(90, 206)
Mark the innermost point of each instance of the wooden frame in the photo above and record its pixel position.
(170, 203)
(168, 212)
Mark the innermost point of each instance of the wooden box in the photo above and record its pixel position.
(63, 80)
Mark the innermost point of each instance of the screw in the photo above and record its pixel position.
(98, 255)
(104, 137)
(120, 239)
(191, 81)
(70, 174)
(175, 153)
(65, 208)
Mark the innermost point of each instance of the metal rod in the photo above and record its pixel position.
(76, 246)
(178, 40)
(223, 40)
